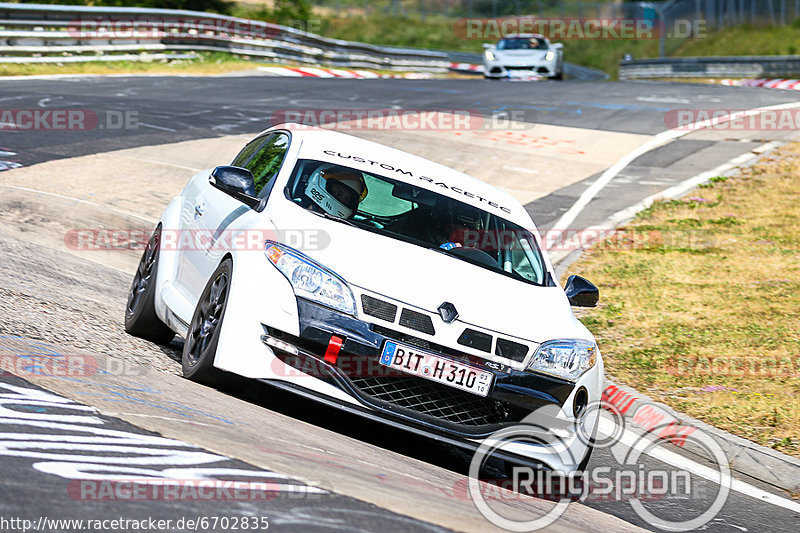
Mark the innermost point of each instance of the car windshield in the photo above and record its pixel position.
(522, 43)
(401, 211)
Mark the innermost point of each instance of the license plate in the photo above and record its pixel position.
(522, 74)
(439, 369)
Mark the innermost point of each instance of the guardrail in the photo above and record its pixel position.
(711, 67)
(29, 30)
(38, 33)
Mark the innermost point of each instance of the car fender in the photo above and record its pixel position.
(259, 294)
(168, 258)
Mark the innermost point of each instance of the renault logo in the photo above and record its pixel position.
(448, 312)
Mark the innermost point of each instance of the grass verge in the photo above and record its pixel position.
(700, 298)
(206, 63)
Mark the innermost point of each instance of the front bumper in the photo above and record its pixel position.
(410, 400)
(498, 70)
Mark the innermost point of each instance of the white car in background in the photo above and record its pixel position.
(522, 56)
(414, 294)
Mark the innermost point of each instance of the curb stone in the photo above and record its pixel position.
(745, 457)
(645, 415)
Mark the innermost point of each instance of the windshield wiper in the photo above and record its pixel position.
(337, 219)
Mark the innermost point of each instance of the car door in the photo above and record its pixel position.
(213, 212)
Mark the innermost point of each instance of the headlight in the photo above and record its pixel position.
(567, 359)
(311, 280)
(489, 55)
(550, 55)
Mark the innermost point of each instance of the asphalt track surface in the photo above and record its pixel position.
(173, 109)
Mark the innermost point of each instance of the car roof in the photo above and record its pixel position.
(340, 148)
(524, 36)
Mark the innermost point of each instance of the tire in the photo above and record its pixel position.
(200, 346)
(140, 313)
(559, 75)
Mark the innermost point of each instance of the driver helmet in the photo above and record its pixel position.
(337, 190)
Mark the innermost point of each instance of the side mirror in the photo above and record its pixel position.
(487, 45)
(238, 183)
(557, 46)
(581, 292)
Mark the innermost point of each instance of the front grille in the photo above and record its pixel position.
(476, 339)
(435, 400)
(418, 321)
(511, 350)
(521, 68)
(378, 308)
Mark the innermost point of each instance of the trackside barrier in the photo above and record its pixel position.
(711, 67)
(28, 30)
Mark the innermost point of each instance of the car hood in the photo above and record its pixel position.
(427, 278)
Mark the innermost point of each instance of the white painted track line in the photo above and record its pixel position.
(608, 427)
(660, 139)
(80, 201)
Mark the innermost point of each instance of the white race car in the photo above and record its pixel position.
(374, 281)
(524, 55)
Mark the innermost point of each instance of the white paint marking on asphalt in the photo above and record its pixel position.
(659, 140)
(191, 169)
(520, 169)
(630, 439)
(663, 99)
(171, 419)
(766, 147)
(56, 195)
(145, 124)
(675, 191)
